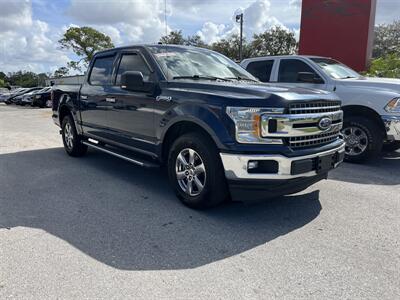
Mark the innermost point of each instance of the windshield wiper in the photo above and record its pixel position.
(196, 77)
(241, 78)
(348, 77)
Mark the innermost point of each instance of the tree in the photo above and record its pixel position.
(61, 72)
(2, 83)
(84, 41)
(196, 41)
(387, 66)
(275, 41)
(230, 47)
(174, 37)
(387, 39)
(23, 79)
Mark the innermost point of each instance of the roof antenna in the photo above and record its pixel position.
(165, 17)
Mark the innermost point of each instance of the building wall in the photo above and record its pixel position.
(341, 29)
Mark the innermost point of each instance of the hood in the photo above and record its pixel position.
(249, 90)
(374, 83)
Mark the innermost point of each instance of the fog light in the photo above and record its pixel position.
(252, 165)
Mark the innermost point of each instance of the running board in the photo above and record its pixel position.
(139, 162)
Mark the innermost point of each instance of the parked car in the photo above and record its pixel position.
(42, 98)
(16, 97)
(209, 122)
(27, 98)
(13, 93)
(371, 105)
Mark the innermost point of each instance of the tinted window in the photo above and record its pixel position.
(101, 71)
(290, 68)
(132, 62)
(261, 69)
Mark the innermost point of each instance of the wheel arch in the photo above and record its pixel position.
(182, 127)
(364, 111)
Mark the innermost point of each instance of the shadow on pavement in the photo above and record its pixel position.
(382, 171)
(128, 218)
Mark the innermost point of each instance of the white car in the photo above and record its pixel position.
(371, 105)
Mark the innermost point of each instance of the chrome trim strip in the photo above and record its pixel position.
(235, 165)
(285, 124)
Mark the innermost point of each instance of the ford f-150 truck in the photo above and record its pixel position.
(220, 133)
(371, 105)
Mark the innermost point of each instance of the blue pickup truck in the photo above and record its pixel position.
(220, 133)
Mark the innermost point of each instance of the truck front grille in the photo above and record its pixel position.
(314, 107)
(313, 140)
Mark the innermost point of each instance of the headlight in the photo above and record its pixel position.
(247, 124)
(393, 105)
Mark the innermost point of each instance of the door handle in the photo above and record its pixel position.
(112, 100)
(83, 97)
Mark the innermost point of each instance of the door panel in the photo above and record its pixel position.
(93, 94)
(131, 115)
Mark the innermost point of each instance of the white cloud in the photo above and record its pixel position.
(129, 21)
(27, 44)
(256, 18)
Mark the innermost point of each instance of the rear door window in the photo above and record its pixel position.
(261, 69)
(101, 71)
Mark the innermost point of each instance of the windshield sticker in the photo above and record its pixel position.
(164, 54)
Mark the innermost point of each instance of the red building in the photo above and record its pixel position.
(341, 29)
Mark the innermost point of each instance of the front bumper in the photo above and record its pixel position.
(392, 125)
(291, 174)
(236, 165)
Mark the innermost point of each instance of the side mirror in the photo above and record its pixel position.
(309, 77)
(133, 81)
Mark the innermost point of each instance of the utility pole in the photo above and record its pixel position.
(239, 19)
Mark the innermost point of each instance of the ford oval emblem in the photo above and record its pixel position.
(325, 123)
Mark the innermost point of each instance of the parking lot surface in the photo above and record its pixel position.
(99, 227)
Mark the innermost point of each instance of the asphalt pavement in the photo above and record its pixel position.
(99, 227)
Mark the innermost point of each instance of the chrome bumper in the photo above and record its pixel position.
(392, 125)
(236, 165)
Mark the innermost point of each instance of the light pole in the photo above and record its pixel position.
(239, 19)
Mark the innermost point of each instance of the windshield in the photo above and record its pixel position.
(335, 69)
(179, 62)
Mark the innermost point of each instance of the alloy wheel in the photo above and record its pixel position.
(190, 172)
(68, 136)
(356, 140)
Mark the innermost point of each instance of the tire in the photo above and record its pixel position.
(363, 137)
(203, 150)
(392, 146)
(71, 140)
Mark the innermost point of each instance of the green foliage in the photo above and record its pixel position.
(2, 83)
(275, 41)
(61, 72)
(176, 38)
(26, 79)
(84, 42)
(230, 47)
(387, 39)
(387, 66)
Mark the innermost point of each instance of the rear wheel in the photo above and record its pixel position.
(195, 171)
(72, 141)
(363, 139)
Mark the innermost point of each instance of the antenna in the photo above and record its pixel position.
(165, 17)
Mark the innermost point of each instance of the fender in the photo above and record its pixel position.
(200, 115)
(68, 101)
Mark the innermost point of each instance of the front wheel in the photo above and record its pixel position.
(195, 171)
(72, 141)
(363, 137)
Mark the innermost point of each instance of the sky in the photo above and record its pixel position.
(30, 29)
